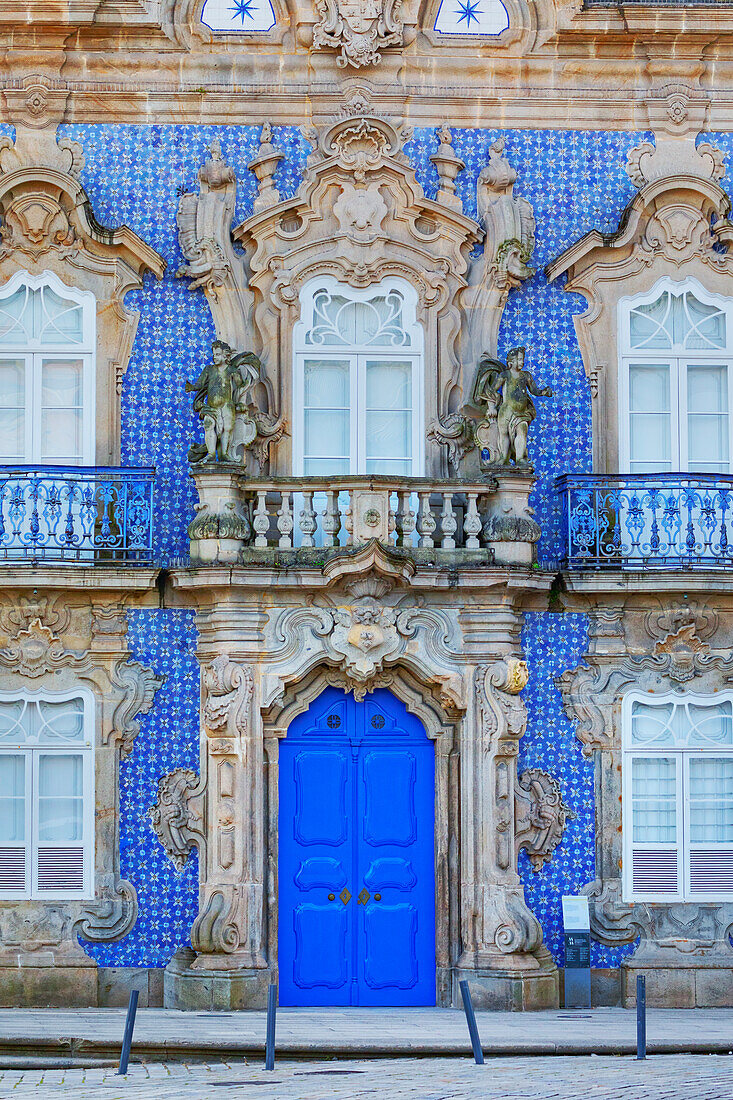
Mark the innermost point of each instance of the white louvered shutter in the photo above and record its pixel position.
(14, 782)
(60, 833)
(710, 825)
(656, 834)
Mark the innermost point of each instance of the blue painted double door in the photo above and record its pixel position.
(356, 855)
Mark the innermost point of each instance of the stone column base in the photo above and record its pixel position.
(687, 983)
(509, 990)
(211, 990)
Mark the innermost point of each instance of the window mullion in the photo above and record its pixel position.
(684, 821)
(678, 392)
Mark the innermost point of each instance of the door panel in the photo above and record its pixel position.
(357, 869)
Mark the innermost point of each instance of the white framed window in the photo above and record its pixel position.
(47, 349)
(47, 795)
(678, 797)
(676, 352)
(358, 380)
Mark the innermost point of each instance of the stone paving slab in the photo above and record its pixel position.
(162, 1035)
(678, 1077)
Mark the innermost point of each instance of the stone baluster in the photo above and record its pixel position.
(426, 522)
(308, 523)
(261, 521)
(331, 519)
(472, 523)
(392, 519)
(348, 517)
(406, 524)
(448, 523)
(285, 522)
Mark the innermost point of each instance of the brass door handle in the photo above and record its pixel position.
(377, 897)
(363, 897)
(331, 897)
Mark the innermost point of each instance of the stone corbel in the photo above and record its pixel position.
(178, 815)
(509, 226)
(204, 234)
(540, 816)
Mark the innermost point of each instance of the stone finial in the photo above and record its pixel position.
(264, 166)
(448, 166)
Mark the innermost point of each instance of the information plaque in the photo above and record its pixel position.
(576, 923)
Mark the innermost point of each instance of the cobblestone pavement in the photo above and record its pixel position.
(664, 1077)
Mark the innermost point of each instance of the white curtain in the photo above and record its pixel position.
(12, 799)
(60, 798)
(654, 800)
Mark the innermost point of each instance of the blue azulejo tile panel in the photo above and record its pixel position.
(169, 738)
(575, 181)
(135, 174)
(553, 643)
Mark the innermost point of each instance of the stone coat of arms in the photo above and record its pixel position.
(358, 28)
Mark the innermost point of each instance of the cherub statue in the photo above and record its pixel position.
(225, 403)
(503, 391)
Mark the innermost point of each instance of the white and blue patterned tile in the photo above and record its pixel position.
(169, 738)
(553, 643)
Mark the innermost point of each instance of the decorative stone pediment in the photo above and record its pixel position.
(371, 559)
(676, 226)
(47, 224)
(359, 216)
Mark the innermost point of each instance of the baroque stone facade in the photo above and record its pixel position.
(198, 173)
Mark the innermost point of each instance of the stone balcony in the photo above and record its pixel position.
(241, 519)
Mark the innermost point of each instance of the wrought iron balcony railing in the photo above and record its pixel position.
(76, 514)
(643, 521)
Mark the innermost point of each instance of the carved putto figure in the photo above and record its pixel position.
(234, 427)
(359, 29)
(224, 403)
(503, 390)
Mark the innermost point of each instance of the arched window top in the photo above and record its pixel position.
(41, 312)
(380, 316)
(677, 317)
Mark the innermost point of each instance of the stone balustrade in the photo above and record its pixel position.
(301, 513)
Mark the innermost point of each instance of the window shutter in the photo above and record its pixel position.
(655, 871)
(60, 869)
(711, 871)
(12, 869)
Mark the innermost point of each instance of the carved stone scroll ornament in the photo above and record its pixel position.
(508, 245)
(540, 816)
(359, 29)
(177, 815)
(139, 685)
(228, 689)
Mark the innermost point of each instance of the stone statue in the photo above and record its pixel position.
(503, 391)
(225, 404)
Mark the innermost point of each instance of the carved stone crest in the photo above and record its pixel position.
(37, 650)
(365, 635)
(359, 29)
(360, 212)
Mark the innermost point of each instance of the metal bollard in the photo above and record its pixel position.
(129, 1027)
(270, 1041)
(478, 1054)
(640, 1017)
